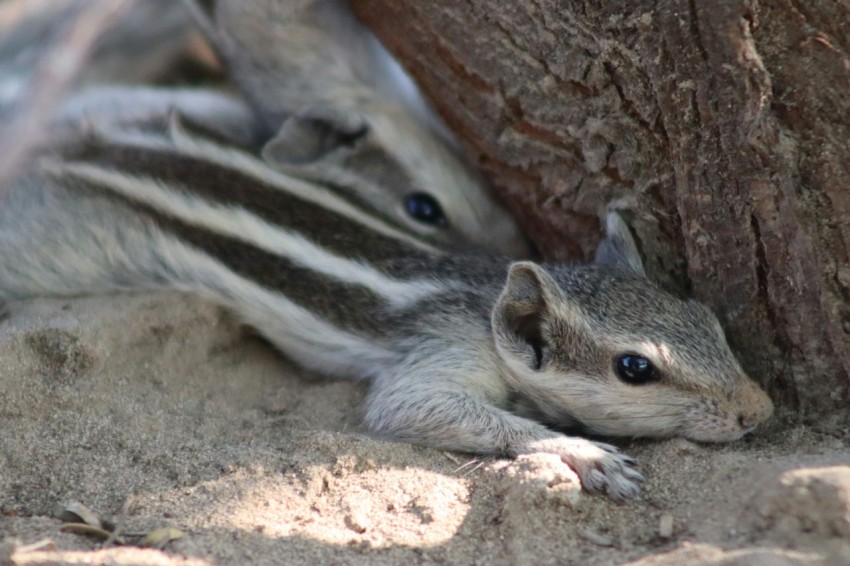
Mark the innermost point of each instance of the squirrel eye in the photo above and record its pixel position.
(424, 208)
(635, 369)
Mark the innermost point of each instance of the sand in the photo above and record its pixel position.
(159, 411)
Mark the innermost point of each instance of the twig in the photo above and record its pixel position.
(48, 84)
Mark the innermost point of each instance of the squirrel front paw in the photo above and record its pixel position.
(601, 468)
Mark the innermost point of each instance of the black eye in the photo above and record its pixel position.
(635, 369)
(424, 208)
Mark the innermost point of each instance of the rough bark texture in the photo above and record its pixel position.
(723, 127)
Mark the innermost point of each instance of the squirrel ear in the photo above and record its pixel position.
(203, 12)
(520, 314)
(305, 138)
(619, 249)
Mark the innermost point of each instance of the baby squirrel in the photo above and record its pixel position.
(465, 351)
(340, 110)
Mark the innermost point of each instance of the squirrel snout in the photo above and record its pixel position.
(748, 421)
(756, 407)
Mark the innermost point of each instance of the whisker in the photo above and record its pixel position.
(475, 469)
(642, 404)
(635, 417)
(470, 463)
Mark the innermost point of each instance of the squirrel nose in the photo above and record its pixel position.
(754, 407)
(748, 422)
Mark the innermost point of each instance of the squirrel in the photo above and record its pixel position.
(323, 100)
(340, 110)
(466, 351)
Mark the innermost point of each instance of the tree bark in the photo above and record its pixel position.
(722, 127)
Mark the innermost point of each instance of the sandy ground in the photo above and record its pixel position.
(158, 411)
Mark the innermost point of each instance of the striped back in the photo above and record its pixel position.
(320, 274)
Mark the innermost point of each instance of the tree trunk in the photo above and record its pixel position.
(723, 127)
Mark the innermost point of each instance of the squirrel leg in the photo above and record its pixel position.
(458, 421)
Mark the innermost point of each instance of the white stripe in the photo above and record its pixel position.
(304, 190)
(135, 139)
(310, 340)
(240, 224)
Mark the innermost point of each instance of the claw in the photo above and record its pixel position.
(634, 476)
(596, 481)
(602, 468)
(623, 492)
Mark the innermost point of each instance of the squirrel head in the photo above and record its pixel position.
(603, 347)
(380, 155)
